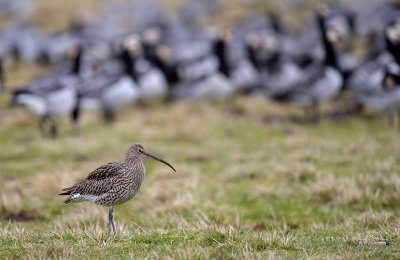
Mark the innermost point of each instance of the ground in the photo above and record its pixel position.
(251, 182)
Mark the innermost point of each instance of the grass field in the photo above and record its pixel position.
(250, 183)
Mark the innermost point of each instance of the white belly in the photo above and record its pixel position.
(244, 76)
(34, 104)
(122, 93)
(153, 85)
(328, 87)
(61, 102)
(79, 198)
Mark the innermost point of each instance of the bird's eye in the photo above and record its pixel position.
(140, 151)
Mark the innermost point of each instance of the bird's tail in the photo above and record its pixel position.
(67, 191)
(68, 200)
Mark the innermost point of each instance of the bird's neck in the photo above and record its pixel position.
(330, 52)
(76, 64)
(252, 56)
(273, 62)
(220, 50)
(129, 159)
(135, 164)
(129, 64)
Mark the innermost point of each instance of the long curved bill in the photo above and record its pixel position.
(160, 160)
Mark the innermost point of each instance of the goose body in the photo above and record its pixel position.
(244, 77)
(123, 92)
(150, 80)
(52, 98)
(280, 76)
(380, 101)
(369, 76)
(210, 87)
(318, 82)
(48, 99)
(108, 93)
(321, 89)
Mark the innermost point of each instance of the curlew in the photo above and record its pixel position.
(113, 183)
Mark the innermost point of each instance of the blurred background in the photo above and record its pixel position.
(281, 118)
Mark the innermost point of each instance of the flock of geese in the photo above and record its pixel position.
(100, 64)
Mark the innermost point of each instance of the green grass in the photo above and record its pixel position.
(244, 187)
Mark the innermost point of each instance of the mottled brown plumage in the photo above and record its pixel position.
(112, 183)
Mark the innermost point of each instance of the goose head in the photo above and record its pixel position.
(164, 53)
(253, 40)
(151, 36)
(392, 37)
(132, 43)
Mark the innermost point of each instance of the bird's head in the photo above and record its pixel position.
(227, 34)
(392, 31)
(334, 35)
(164, 52)
(152, 36)
(137, 151)
(253, 39)
(132, 43)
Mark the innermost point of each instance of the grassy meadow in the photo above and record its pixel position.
(251, 183)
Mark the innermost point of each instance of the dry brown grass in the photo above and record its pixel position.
(245, 187)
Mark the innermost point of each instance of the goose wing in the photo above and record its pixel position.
(93, 87)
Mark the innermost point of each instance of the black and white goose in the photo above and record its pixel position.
(279, 75)
(385, 99)
(167, 64)
(306, 49)
(210, 87)
(149, 78)
(322, 81)
(213, 85)
(109, 92)
(238, 69)
(150, 43)
(49, 98)
(370, 74)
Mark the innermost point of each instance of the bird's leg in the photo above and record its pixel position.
(42, 125)
(109, 115)
(307, 114)
(314, 115)
(113, 226)
(111, 221)
(75, 116)
(53, 128)
(46, 125)
(317, 113)
(391, 118)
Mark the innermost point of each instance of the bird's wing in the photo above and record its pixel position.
(99, 181)
(105, 171)
(307, 83)
(94, 86)
(46, 86)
